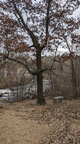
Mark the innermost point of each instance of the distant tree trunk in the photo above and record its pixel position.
(40, 97)
(51, 80)
(74, 81)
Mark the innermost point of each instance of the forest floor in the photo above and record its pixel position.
(28, 123)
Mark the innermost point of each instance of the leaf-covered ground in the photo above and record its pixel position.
(28, 123)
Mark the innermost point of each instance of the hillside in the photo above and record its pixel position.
(28, 123)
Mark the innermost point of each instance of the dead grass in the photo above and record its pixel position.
(28, 123)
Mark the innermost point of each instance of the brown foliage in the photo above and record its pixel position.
(70, 57)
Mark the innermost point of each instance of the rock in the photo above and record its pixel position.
(58, 98)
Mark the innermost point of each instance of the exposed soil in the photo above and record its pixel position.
(28, 123)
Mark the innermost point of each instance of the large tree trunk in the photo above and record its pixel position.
(40, 97)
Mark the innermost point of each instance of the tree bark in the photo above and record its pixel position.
(40, 97)
(74, 82)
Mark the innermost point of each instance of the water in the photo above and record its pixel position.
(21, 92)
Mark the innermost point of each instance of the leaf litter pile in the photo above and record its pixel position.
(28, 123)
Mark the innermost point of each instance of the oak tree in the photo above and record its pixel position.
(36, 26)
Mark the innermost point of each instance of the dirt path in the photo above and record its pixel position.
(16, 127)
(27, 123)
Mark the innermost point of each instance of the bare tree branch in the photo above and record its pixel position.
(33, 37)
